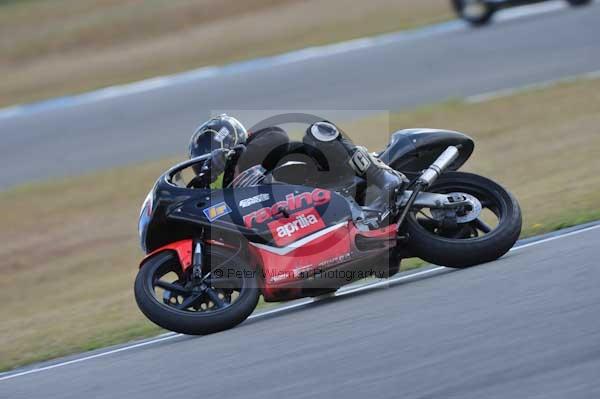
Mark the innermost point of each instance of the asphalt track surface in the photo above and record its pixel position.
(404, 70)
(525, 326)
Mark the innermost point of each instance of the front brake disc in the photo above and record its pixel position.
(461, 214)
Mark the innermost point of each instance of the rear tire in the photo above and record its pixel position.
(465, 252)
(186, 321)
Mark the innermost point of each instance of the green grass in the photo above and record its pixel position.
(70, 249)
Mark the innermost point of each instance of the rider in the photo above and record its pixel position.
(232, 146)
(327, 137)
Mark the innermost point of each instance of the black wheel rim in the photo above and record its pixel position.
(216, 291)
(491, 217)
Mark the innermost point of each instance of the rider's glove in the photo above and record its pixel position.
(214, 169)
(220, 157)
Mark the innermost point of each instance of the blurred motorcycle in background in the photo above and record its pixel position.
(480, 12)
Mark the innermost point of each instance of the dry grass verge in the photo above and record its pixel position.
(69, 248)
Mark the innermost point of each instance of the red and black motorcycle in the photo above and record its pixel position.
(284, 235)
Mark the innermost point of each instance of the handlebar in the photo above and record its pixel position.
(174, 170)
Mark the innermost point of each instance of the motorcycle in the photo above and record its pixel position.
(284, 234)
(480, 12)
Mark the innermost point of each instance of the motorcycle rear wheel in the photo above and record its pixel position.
(165, 295)
(470, 243)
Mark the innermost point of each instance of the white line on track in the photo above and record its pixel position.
(282, 309)
(530, 10)
(556, 237)
(160, 82)
(492, 95)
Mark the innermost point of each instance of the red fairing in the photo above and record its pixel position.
(387, 233)
(322, 249)
(183, 250)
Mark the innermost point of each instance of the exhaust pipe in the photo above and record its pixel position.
(431, 174)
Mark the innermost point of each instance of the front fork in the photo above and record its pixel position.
(427, 178)
(190, 254)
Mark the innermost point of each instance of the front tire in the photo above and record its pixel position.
(463, 246)
(230, 301)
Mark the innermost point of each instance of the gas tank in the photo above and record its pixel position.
(277, 215)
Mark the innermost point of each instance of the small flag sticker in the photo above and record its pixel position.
(216, 211)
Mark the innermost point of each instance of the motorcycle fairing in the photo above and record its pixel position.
(255, 212)
(290, 269)
(284, 264)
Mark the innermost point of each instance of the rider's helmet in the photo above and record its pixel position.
(222, 131)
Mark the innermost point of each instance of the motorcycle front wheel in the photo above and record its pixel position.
(221, 299)
(462, 239)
